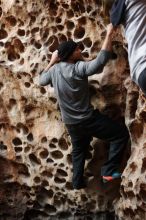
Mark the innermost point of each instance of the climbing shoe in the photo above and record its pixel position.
(114, 176)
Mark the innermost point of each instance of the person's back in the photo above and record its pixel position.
(135, 32)
(72, 92)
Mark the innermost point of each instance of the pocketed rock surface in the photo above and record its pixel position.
(35, 148)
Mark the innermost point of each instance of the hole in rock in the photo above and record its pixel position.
(24, 99)
(57, 154)
(1, 45)
(49, 160)
(60, 27)
(1, 11)
(23, 127)
(3, 146)
(59, 180)
(7, 44)
(11, 20)
(36, 205)
(12, 102)
(63, 144)
(69, 159)
(43, 194)
(142, 192)
(95, 47)
(69, 34)
(94, 13)
(66, 6)
(44, 139)
(13, 56)
(22, 61)
(27, 149)
(18, 45)
(50, 193)
(44, 58)
(130, 194)
(53, 8)
(3, 26)
(54, 45)
(21, 32)
(77, 7)
(34, 159)
(61, 172)
(61, 165)
(16, 141)
(82, 21)
(20, 22)
(44, 154)
(27, 84)
(37, 179)
(81, 46)
(45, 34)
(34, 30)
(54, 140)
(87, 42)
(57, 201)
(133, 167)
(85, 199)
(52, 145)
(71, 202)
(52, 99)
(32, 19)
(37, 45)
(50, 40)
(18, 76)
(85, 54)
(18, 149)
(130, 184)
(47, 173)
(42, 90)
(70, 14)
(3, 34)
(129, 212)
(70, 25)
(30, 137)
(143, 168)
(28, 108)
(62, 37)
(1, 85)
(45, 183)
(23, 170)
(58, 20)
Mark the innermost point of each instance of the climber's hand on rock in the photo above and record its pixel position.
(54, 57)
(110, 29)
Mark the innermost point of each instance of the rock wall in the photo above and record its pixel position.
(35, 149)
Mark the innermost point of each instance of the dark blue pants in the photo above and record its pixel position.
(104, 128)
(142, 81)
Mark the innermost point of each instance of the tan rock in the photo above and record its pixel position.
(35, 149)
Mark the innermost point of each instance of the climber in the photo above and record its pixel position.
(68, 74)
(132, 14)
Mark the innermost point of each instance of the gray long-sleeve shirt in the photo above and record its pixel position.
(70, 82)
(135, 31)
